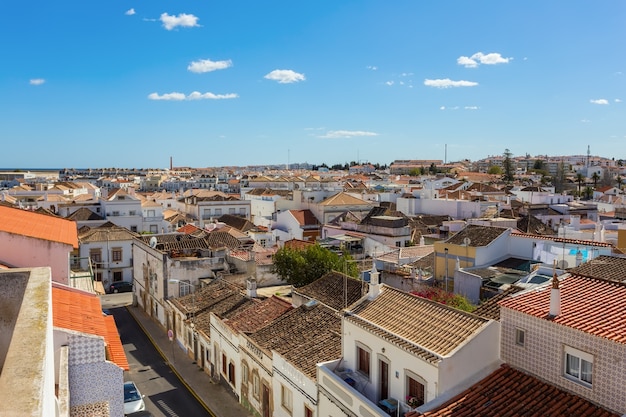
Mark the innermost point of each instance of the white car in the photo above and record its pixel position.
(133, 400)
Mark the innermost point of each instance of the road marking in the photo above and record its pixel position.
(167, 409)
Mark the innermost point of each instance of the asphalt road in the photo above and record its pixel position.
(165, 395)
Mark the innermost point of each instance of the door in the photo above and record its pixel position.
(383, 368)
(266, 401)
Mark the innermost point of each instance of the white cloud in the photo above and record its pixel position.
(206, 65)
(185, 20)
(389, 82)
(192, 96)
(480, 58)
(285, 76)
(372, 67)
(585, 121)
(442, 108)
(37, 81)
(446, 83)
(466, 62)
(130, 12)
(599, 101)
(472, 107)
(338, 134)
(618, 100)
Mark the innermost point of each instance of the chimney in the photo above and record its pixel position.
(374, 283)
(251, 287)
(555, 297)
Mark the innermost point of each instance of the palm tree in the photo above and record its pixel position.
(579, 179)
(595, 177)
(619, 180)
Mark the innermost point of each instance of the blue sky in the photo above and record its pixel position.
(133, 83)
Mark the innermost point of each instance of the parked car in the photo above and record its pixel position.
(144, 413)
(121, 286)
(133, 400)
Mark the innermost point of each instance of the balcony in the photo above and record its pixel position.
(344, 387)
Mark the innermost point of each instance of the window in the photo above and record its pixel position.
(151, 213)
(95, 255)
(133, 229)
(363, 357)
(286, 398)
(184, 288)
(116, 213)
(231, 373)
(520, 337)
(132, 212)
(224, 364)
(218, 212)
(117, 276)
(244, 373)
(578, 366)
(308, 412)
(231, 210)
(256, 385)
(415, 392)
(262, 242)
(116, 254)
(242, 211)
(207, 213)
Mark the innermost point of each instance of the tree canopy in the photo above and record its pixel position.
(300, 267)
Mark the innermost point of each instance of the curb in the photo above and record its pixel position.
(179, 376)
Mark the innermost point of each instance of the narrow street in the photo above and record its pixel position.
(165, 395)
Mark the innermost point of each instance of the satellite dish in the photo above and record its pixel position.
(153, 242)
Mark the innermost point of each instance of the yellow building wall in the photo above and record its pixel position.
(466, 255)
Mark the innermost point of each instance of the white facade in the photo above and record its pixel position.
(294, 392)
(124, 210)
(116, 260)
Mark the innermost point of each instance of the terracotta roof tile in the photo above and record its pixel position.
(76, 310)
(39, 226)
(426, 324)
(603, 267)
(602, 313)
(305, 336)
(344, 199)
(478, 235)
(305, 217)
(259, 315)
(329, 290)
(510, 392)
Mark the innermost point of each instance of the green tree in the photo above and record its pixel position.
(579, 179)
(595, 178)
(415, 172)
(539, 165)
(507, 165)
(299, 267)
(619, 181)
(494, 170)
(588, 193)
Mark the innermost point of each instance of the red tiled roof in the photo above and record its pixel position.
(259, 315)
(509, 392)
(39, 226)
(560, 239)
(304, 217)
(80, 311)
(602, 313)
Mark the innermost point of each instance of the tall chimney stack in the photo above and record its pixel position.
(555, 297)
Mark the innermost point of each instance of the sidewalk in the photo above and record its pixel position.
(217, 399)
